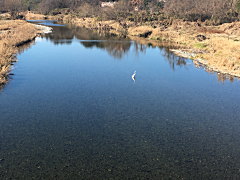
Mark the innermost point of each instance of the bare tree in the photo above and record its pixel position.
(47, 5)
(199, 9)
(238, 6)
(1, 5)
(13, 6)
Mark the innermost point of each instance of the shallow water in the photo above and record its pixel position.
(72, 111)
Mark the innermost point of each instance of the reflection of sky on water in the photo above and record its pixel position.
(46, 22)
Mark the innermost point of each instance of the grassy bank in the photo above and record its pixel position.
(13, 34)
(217, 47)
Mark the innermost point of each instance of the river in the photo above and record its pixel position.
(72, 111)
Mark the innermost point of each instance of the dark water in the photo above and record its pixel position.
(72, 111)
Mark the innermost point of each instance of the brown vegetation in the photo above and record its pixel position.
(12, 35)
(33, 16)
(219, 11)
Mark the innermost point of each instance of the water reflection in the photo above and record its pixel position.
(220, 76)
(117, 47)
(174, 60)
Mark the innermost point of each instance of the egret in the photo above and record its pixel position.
(134, 76)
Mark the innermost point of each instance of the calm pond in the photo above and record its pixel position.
(72, 111)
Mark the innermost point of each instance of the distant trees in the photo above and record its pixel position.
(225, 10)
(199, 9)
(122, 8)
(154, 5)
(13, 6)
(238, 6)
(30, 4)
(47, 5)
(87, 10)
(1, 5)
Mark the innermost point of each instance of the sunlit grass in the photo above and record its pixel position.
(200, 45)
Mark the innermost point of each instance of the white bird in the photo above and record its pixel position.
(134, 76)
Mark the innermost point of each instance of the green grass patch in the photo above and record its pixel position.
(200, 45)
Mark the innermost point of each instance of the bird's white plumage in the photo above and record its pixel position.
(134, 76)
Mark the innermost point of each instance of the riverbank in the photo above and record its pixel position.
(13, 35)
(217, 47)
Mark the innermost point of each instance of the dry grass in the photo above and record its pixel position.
(13, 34)
(223, 55)
(231, 28)
(140, 30)
(90, 23)
(33, 16)
(93, 23)
(5, 16)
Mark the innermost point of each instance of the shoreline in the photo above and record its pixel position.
(14, 34)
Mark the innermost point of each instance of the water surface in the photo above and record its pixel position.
(72, 111)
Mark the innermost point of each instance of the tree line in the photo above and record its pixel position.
(223, 10)
(203, 9)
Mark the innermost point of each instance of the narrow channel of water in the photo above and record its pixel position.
(72, 111)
